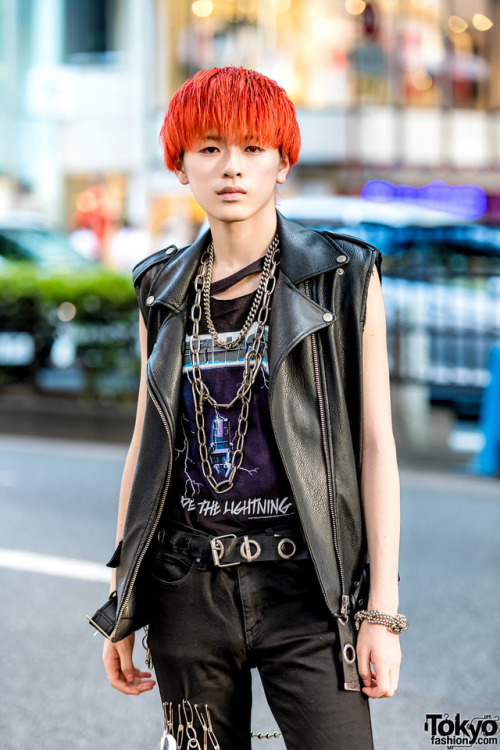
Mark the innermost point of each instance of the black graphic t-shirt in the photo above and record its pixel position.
(261, 496)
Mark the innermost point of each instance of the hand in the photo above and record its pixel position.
(122, 674)
(376, 644)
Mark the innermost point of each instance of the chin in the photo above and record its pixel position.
(231, 213)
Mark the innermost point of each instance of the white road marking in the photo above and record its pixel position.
(66, 567)
(58, 447)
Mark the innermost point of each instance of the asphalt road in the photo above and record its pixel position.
(59, 499)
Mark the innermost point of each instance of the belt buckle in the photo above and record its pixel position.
(217, 548)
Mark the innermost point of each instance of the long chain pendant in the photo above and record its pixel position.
(252, 364)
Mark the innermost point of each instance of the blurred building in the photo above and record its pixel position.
(405, 90)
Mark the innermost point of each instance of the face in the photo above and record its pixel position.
(232, 182)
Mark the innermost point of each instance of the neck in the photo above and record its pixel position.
(239, 243)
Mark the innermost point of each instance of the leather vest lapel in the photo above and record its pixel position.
(164, 366)
(293, 317)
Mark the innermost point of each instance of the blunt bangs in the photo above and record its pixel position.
(234, 103)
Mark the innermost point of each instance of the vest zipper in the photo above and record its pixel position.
(158, 514)
(329, 480)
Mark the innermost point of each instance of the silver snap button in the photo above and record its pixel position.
(150, 300)
(341, 258)
(327, 317)
(340, 271)
(170, 250)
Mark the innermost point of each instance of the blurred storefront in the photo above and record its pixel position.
(337, 53)
(401, 90)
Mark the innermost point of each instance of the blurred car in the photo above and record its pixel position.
(441, 286)
(351, 211)
(29, 238)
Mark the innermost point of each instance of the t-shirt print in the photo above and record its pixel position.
(261, 495)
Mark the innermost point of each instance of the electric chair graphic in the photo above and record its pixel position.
(221, 448)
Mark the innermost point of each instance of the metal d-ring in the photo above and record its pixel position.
(281, 548)
(246, 551)
(349, 653)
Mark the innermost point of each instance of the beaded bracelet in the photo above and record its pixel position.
(395, 623)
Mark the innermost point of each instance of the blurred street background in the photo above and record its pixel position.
(398, 103)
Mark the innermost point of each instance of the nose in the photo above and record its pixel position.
(232, 164)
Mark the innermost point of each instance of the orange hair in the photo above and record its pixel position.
(234, 103)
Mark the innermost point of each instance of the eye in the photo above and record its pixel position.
(254, 149)
(209, 149)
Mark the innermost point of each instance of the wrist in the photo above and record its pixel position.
(383, 604)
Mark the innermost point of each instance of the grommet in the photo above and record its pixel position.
(341, 258)
(327, 317)
(150, 300)
(349, 653)
(340, 271)
(170, 250)
(282, 548)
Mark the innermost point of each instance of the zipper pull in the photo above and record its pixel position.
(345, 605)
(148, 660)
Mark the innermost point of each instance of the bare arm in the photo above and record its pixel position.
(133, 451)
(117, 657)
(381, 502)
(379, 477)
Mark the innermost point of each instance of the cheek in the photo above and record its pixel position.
(273, 167)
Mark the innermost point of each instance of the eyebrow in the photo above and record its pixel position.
(211, 137)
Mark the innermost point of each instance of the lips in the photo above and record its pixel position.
(231, 190)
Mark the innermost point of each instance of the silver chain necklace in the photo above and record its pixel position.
(252, 361)
(255, 303)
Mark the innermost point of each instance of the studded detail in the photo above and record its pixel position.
(340, 271)
(341, 258)
(328, 317)
(150, 300)
(170, 250)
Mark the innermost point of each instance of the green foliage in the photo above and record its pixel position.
(96, 308)
(97, 294)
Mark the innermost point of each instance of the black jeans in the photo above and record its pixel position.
(209, 627)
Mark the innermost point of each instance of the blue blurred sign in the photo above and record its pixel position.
(467, 201)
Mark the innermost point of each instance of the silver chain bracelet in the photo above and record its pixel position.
(395, 623)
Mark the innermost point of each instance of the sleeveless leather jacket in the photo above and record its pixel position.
(315, 398)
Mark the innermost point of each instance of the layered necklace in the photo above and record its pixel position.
(259, 311)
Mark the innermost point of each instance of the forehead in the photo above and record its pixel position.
(212, 135)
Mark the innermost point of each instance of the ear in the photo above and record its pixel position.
(284, 169)
(180, 172)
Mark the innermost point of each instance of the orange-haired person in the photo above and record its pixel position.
(262, 476)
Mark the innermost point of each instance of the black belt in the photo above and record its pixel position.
(233, 549)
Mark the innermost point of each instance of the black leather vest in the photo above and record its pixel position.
(315, 398)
